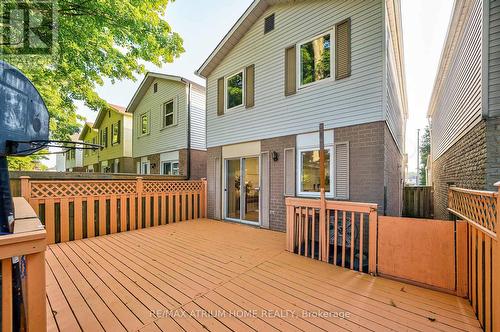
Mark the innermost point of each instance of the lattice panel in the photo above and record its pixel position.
(478, 206)
(172, 186)
(81, 189)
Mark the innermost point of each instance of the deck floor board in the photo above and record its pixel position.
(217, 276)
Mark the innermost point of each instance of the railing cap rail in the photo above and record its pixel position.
(475, 192)
(330, 204)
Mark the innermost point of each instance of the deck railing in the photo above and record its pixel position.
(338, 232)
(481, 209)
(76, 209)
(27, 245)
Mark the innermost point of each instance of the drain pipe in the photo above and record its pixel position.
(188, 159)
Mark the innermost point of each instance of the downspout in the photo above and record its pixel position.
(188, 159)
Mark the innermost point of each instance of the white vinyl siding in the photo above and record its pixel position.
(161, 139)
(338, 103)
(494, 59)
(457, 99)
(394, 104)
(198, 118)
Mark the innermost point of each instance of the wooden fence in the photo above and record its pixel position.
(425, 252)
(72, 210)
(28, 242)
(341, 233)
(481, 209)
(418, 202)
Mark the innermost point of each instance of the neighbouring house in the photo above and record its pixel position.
(284, 68)
(112, 130)
(464, 111)
(169, 127)
(60, 162)
(74, 158)
(90, 135)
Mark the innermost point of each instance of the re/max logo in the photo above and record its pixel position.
(28, 28)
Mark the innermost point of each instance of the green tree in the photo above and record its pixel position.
(26, 163)
(425, 150)
(96, 40)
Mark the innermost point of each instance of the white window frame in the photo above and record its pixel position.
(330, 194)
(226, 80)
(113, 126)
(171, 162)
(332, 57)
(139, 124)
(148, 164)
(174, 115)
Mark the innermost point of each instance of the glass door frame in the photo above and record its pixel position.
(242, 192)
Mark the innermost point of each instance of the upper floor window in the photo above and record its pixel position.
(269, 23)
(168, 113)
(144, 124)
(115, 132)
(234, 88)
(155, 88)
(104, 138)
(314, 59)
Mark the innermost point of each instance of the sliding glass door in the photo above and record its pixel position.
(242, 189)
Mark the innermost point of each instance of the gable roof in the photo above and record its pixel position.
(244, 23)
(146, 82)
(104, 110)
(88, 126)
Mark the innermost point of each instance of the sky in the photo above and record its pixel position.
(202, 24)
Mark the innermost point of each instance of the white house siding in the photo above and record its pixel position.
(161, 139)
(494, 59)
(457, 101)
(355, 100)
(127, 128)
(198, 118)
(394, 108)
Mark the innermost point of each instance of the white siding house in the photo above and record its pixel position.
(356, 88)
(464, 111)
(168, 126)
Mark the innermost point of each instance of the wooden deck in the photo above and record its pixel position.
(219, 276)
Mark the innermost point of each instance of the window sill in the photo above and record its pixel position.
(235, 108)
(143, 135)
(169, 126)
(313, 195)
(316, 83)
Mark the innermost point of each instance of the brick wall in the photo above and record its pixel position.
(393, 173)
(198, 164)
(127, 165)
(366, 161)
(277, 208)
(212, 153)
(182, 161)
(493, 157)
(463, 165)
(154, 161)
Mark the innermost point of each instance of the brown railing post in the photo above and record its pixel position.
(138, 190)
(35, 292)
(322, 226)
(496, 269)
(25, 187)
(289, 226)
(203, 199)
(372, 242)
